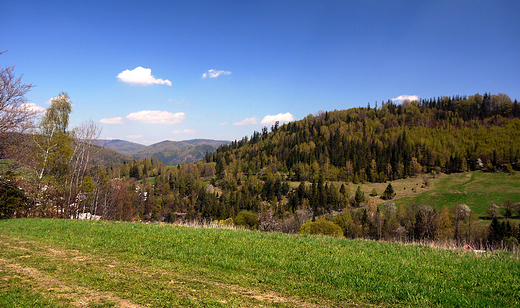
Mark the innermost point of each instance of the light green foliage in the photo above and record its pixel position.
(344, 220)
(321, 226)
(88, 184)
(475, 189)
(54, 142)
(56, 118)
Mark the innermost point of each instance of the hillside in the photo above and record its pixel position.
(168, 152)
(108, 157)
(67, 263)
(387, 142)
(121, 146)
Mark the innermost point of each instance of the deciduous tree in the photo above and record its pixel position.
(16, 115)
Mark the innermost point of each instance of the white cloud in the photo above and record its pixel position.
(223, 123)
(25, 108)
(33, 108)
(134, 136)
(116, 120)
(281, 117)
(141, 76)
(214, 73)
(246, 121)
(406, 97)
(185, 131)
(157, 117)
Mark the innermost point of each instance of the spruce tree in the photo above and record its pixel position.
(359, 198)
(389, 192)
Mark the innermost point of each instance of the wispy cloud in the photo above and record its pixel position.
(406, 97)
(223, 123)
(141, 76)
(157, 117)
(215, 73)
(185, 131)
(247, 121)
(116, 120)
(281, 117)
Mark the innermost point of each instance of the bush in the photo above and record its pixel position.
(247, 219)
(321, 226)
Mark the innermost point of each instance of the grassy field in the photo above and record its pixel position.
(66, 263)
(475, 189)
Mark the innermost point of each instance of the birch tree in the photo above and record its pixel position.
(52, 139)
(83, 147)
(52, 154)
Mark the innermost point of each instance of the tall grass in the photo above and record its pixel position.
(314, 269)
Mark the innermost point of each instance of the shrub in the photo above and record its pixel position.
(321, 226)
(247, 219)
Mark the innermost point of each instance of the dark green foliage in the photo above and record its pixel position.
(359, 197)
(497, 232)
(13, 200)
(389, 192)
(134, 172)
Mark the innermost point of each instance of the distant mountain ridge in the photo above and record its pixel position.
(169, 152)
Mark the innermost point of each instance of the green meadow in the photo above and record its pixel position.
(68, 263)
(475, 189)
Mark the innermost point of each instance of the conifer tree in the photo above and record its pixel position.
(359, 197)
(389, 192)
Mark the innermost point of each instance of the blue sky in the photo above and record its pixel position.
(156, 70)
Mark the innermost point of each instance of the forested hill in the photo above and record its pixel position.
(168, 152)
(391, 141)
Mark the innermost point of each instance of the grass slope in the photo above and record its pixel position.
(105, 264)
(475, 189)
